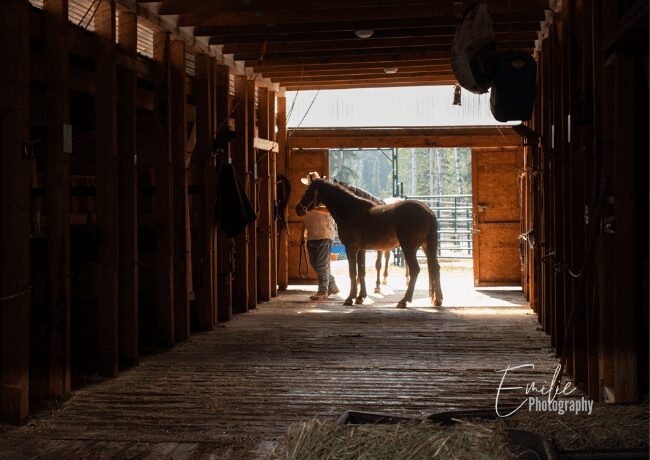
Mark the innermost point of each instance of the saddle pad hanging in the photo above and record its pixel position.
(513, 94)
(473, 53)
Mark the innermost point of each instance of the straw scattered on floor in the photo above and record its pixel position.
(327, 440)
(608, 427)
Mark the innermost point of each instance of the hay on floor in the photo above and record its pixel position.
(327, 440)
(608, 427)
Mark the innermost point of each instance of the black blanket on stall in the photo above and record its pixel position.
(234, 211)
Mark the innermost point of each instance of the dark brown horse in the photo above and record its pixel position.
(386, 254)
(363, 225)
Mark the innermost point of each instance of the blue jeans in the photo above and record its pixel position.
(319, 258)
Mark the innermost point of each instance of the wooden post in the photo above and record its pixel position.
(626, 217)
(253, 185)
(14, 212)
(240, 162)
(163, 200)
(264, 205)
(283, 240)
(128, 194)
(106, 200)
(220, 123)
(273, 197)
(203, 123)
(57, 196)
(177, 140)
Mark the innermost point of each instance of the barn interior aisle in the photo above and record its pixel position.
(232, 391)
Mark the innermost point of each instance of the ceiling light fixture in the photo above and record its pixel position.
(364, 33)
(391, 70)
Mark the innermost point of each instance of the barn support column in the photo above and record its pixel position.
(57, 196)
(220, 123)
(202, 95)
(106, 200)
(281, 168)
(240, 292)
(264, 205)
(273, 194)
(128, 195)
(14, 212)
(164, 276)
(177, 141)
(253, 187)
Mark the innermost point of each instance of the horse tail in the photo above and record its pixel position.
(435, 291)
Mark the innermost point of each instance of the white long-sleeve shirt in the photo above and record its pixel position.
(319, 226)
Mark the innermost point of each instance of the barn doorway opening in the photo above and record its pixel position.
(457, 159)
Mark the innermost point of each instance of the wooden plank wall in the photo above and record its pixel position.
(14, 213)
(587, 200)
(135, 181)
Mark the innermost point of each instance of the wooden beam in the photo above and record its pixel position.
(365, 84)
(436, 51)
(265, 144)
(273, 190)
(57, 197)
(163, 216)
(206, 301)
(264, 205)
(177, 141)
(430, 42)
(391, 56)
(394, 31)
(283, 240)
(278, 73)
(106, 200)
(332, 14)
(253, 188)
(456, 136)
(240, 159)
(14, 212)
(222, 117)
(529, 19)
(379, 77)
(128, 195)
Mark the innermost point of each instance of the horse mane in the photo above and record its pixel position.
(343, 196)
(360, 192)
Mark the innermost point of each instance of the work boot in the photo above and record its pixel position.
(333, 290)
(318, 296)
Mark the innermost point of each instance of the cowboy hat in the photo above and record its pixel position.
(310, 177)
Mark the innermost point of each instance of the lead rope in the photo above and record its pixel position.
(303, 256)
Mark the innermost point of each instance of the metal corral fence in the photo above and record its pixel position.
(454, 214)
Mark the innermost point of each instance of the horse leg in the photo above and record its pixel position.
(406, 267)
(361, 262)
(352, 267)
(431, 250)
(410, 256)
(387, 257)
(378, 267)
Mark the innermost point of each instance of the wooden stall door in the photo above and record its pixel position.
(301, 162)
(496, 207)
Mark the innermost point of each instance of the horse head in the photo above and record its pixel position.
(310, 199)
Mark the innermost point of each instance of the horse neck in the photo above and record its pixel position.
(341, 203)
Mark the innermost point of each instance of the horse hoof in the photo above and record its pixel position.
(377, 291)
(437, 302)
(400, 305)
(347, 302)
(385, 282)
(358, 300)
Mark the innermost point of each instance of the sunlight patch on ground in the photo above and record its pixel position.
(490, 311)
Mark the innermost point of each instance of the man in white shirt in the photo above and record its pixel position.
(319, 231)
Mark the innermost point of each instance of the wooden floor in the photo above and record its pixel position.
(228, 393)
